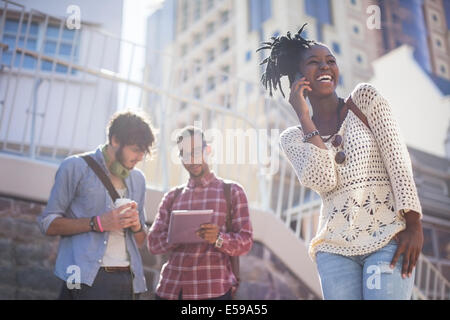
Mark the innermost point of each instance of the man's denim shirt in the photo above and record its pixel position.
(79, 193)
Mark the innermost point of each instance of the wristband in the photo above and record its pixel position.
(140, 229)
(310, 135)
(92, 224)
(219, 241)
(99, 224)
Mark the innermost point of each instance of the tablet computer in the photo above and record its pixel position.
(184, 224)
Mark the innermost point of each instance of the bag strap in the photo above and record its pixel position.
(227, 191)
(354, 108)
(102, 176)
(234, 260)
(349, 104)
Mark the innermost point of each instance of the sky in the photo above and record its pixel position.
(134, 22)
(135, 13)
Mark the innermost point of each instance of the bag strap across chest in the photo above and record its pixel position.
(354, 108)
(102, 176)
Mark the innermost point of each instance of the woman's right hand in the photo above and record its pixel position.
(297, 97)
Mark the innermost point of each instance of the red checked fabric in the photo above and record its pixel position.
(201, 271)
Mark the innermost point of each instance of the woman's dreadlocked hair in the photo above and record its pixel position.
(286, 53)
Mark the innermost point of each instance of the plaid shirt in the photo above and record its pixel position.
(201, 271)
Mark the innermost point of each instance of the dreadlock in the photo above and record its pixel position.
(286, 53)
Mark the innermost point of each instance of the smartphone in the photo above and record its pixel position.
(298, 76)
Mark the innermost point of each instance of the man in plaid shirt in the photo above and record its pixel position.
(201, 271)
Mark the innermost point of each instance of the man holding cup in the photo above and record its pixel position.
(99, 238)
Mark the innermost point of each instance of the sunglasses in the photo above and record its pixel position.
(340, 156)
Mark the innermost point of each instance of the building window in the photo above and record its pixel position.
(198, 65)
(341, 80)
(395, 18)
(259, 11)
(66, 46)
(185, 75)
(183, 50)
(225, 44)
(443, 69)
(210, 84)
(353, 2)
(434, 185)
(248, 56)
(249, 87)
(319, 9)
(11, 28)
(197, 10)
(225, 16)
(196, 117)
(359, 59)
(209, 29)
(438, 43)
(210, 55)
(443, 239)
(336, 48)
(437, 245)
(197, 39)
(184, 15)
(197, 93)
(66, 49)
(304, 32)
(209, 4)
(428, 248)
(225, 73)
(226, 101)
(356, 29)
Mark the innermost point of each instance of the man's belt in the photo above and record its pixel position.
(117, 269)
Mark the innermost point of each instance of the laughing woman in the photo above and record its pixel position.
(352, 154)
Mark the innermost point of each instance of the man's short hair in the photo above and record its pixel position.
(190, 131)
(131, 128)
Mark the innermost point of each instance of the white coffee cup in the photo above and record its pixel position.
(122, 201)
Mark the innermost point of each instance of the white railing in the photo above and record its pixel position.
(41, 117)
(44, 102)
(429, 282)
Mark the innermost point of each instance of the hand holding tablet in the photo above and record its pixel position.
(184, 225)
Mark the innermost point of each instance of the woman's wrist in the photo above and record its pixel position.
(412, 218)
(302, 116)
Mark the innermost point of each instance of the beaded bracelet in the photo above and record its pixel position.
(310, 135)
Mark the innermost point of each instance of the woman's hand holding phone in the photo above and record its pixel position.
(298, 94)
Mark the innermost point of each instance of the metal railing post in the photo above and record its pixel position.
(32, 150)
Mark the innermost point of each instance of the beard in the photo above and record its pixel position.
(199, 174)
(121, 159)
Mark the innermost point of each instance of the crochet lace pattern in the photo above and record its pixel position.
(362, 199)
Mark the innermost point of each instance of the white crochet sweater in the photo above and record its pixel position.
(362, 199)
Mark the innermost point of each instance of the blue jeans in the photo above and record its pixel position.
(363, 277)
